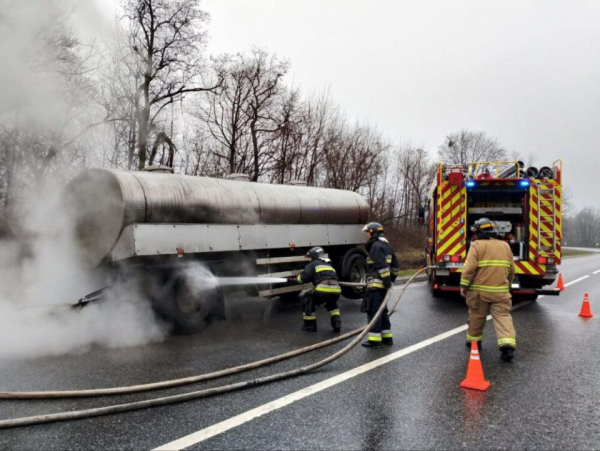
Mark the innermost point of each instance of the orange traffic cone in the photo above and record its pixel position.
(560, 284)
(586, 311)
(475, 378)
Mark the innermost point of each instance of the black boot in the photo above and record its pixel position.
(507, 353)
(388, 341)
(336, 323)
(468, 344)
(310, 325)
(372, 344)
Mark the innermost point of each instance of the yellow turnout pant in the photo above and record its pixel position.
(498, 304)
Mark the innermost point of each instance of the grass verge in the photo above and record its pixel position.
(576, 252)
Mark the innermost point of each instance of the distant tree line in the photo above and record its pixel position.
(582, 229)
(150, 95)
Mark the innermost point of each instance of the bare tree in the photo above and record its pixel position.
(567, 203)
(467, 147)
(583, 228)
(167, 38)
(244, 117)
(224, 115)
(264, 75)
(309, 134)
(397, 191)
(353, 158)
(286, 142)
(119, 96)
(46, 110)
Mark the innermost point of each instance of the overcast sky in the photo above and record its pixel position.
(525, 72)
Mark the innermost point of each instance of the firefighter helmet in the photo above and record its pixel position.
(484, 226)
(315, 252)
(373, 228)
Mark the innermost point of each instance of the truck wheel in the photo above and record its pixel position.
(436, 293)
(431, 279)
(290, 297)
(190, 307)
(354, 269)
(525, 297)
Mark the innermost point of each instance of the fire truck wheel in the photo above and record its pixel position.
(525, 297)
(436, 293)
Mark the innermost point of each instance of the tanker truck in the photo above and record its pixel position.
(152, 225)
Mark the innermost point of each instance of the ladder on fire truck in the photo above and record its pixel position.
(546, 222)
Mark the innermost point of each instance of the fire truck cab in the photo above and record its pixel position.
(525, 204)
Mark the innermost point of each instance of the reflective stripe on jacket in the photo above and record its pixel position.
(382, 263)
(317, 271)
(489, 267)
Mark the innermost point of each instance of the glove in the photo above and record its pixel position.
(292, 279)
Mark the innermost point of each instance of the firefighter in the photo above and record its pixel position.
(382, 267)
(485, 283)
(326, 290)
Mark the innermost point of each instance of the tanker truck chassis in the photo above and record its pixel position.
(153, 228)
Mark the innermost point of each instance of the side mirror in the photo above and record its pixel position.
(421, 215)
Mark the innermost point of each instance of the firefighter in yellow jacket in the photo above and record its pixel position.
(485, 283)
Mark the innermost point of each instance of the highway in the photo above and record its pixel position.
(401, 397)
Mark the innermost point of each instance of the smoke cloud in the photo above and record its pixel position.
(45, 105)
(41, 274)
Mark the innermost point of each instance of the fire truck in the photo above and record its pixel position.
(524, 203)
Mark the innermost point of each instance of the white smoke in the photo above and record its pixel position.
(41, 275)
(45, 102)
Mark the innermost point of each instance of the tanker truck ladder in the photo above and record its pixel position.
(278, 261)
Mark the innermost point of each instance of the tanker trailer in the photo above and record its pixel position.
(150, 225)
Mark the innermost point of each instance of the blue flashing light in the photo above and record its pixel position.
(471, 184)
(524, 183)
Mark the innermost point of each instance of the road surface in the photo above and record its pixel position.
(403, 397)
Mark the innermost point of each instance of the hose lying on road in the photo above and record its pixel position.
(173, 382)
(182, 381)
(119, 408)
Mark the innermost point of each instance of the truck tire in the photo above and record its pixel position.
(290, 298)
(436, 293)
(431, 279)
(189, 307)
(354, 269)
(533, 283)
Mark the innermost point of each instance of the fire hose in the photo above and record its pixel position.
(162, 401)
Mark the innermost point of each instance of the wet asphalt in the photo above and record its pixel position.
(548, 398)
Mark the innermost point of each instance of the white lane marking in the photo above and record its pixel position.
(238, 420)
(575, 281)
(596, 272)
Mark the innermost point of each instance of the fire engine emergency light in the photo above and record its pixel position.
(544, 260)
(524, 183)
(470, 184)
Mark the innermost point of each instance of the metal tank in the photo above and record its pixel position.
(102, 202)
